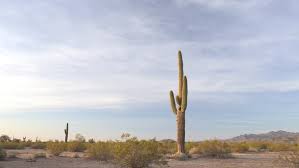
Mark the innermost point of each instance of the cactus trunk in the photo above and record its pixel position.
(66, 132)
(180, 119)
(179, 106)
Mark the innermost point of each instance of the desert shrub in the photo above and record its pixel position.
(2, 154)
(56, 147)
(28, 143)
(40, 155)
(137, 154)
(288, 159)
(101, 151)
(167, 147)
(38, 145)
(91, 140)
(76, 146)
(16, 140)
(260, 146)
(190, 145)
(5, 138)
(12, 145)
(215, 149)
(280, 147)
(80, 138)
(240, 147)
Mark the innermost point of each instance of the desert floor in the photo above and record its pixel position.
(250, 160)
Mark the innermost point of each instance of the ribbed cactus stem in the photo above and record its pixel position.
(172, 102)
(66, 132)
(181, 74)
(179, 106)
(185, 95)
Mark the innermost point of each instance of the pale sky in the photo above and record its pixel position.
(106, 67)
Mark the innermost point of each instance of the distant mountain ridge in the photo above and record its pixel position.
(281, 136)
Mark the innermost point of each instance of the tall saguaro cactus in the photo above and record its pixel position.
(179, 105)
(66, 132)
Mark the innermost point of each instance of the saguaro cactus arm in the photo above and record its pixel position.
(178, 100)
(181, 74)
(172, 102)
(185, 95)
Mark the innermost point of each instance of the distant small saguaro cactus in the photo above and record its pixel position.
(66, 132)
(179, 106)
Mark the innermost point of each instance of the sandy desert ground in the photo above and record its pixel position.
(250, 160)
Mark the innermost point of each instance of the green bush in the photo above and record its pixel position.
(137, 154)
(91, 140)
(76, 146)
(281, 147)
(2, 154)
(215, 149)
(241, 147)
(12, 145)
(167, 147)
(56, 147)
(101, 151)
(190, 145)
(38, 145)
(5, 138)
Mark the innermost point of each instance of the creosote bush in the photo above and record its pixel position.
(76, 146)
(137, 154)
(128, 153)
(12, 145)
(167, 147)
(101, 151)
(56, 147)
(214, 149)
(240, 147)
(38, 145)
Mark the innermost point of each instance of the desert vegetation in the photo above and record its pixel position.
(131, 152)
(179, 106)
(66, 132)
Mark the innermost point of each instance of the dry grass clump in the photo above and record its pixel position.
(214, 149)
(101, 151)
(76, 146)
(240, 147)
(138, 154)
(167, 147)
(282, 147)
(128, 153)
(38, 145)
(12, 145)
(56, 148)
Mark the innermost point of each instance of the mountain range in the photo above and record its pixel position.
(280, 136)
